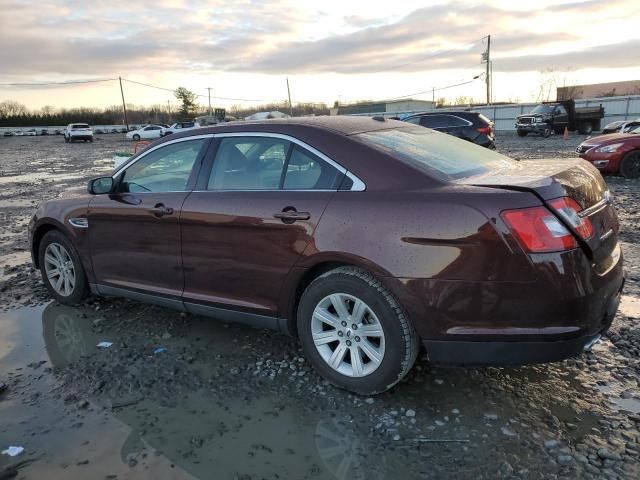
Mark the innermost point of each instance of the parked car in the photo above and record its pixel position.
(617, 153)
(620, 126)
(471, 126)
(147, 132)
(58, 131)
(180, 127)
(30, 133)
(78, 131)
(44, 131)
(554, 117)
(8, 133)
(362, 237)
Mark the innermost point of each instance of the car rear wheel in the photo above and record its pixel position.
(630, 167)
(61, 268)
(354, 332)
(136, 137)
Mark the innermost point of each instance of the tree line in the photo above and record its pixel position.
(15, 114)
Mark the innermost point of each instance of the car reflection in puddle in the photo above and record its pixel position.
(213, 439)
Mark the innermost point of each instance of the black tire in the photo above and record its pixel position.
(66, 139)
(81, 288)
(546, 132)
(91, 140)
(400, 338)
(630, 166)
(586, 128)
(136, 137)
(522, 133)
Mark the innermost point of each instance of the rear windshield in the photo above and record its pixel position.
(441, 155)
(80, 125)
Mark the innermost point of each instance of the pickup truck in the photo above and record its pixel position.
(553, 117)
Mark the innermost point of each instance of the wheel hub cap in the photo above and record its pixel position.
(348, 335)
(59, 269)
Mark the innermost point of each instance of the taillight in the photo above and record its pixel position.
(485, 130)
(569, 209)
(538, 230)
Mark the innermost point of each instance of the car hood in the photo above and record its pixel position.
(75, 192)
(611, 138)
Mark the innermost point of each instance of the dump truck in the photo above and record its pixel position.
(554, 117)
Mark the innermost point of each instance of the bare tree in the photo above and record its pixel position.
(11, 108)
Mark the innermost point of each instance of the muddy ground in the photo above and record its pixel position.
(180, 396)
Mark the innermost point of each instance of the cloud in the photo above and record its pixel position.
(43, 38)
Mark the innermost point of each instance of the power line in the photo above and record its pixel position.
(197, 94)
(67, 82)
(431, 90)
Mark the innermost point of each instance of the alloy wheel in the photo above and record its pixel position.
(58, 266)
(348, 335)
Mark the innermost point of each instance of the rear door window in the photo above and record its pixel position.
(248, 163)
(443, 156)
(306, 171)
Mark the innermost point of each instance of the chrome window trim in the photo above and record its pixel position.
(358, 185)
(163, 144)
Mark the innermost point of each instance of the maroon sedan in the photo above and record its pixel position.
(364, 238)
(617, 153)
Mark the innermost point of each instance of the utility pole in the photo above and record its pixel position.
(169, 109)
(124, 106)
(289, 94)
(488, 72)
(433, 96)
(209, 89)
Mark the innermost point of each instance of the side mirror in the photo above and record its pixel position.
(100, 186)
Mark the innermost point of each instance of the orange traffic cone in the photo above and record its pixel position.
(566, 133)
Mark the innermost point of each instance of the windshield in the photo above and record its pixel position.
(441, 155)
(543, 109)
(633, 129)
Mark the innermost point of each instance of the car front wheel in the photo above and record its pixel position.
(61, 268)
(354, 332)
(630, 167)
(136, 137)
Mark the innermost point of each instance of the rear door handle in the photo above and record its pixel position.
(160, 210)
(291, 216)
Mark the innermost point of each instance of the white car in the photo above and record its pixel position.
(78, 131)
(148, 132)
(30, 133)
(180, 127)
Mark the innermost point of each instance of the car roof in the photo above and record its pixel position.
(341, 124)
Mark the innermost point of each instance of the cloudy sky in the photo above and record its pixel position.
(329, 49)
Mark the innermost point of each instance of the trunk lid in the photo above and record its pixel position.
(553, 178)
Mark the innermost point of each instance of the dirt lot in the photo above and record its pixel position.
(180, 396)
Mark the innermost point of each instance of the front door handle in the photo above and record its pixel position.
(290, 216)
(160, 210)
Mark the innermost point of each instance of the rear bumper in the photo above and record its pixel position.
(448, 352)
(80, 137)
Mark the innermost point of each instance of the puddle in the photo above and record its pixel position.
(623, 404)
(236, 421)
